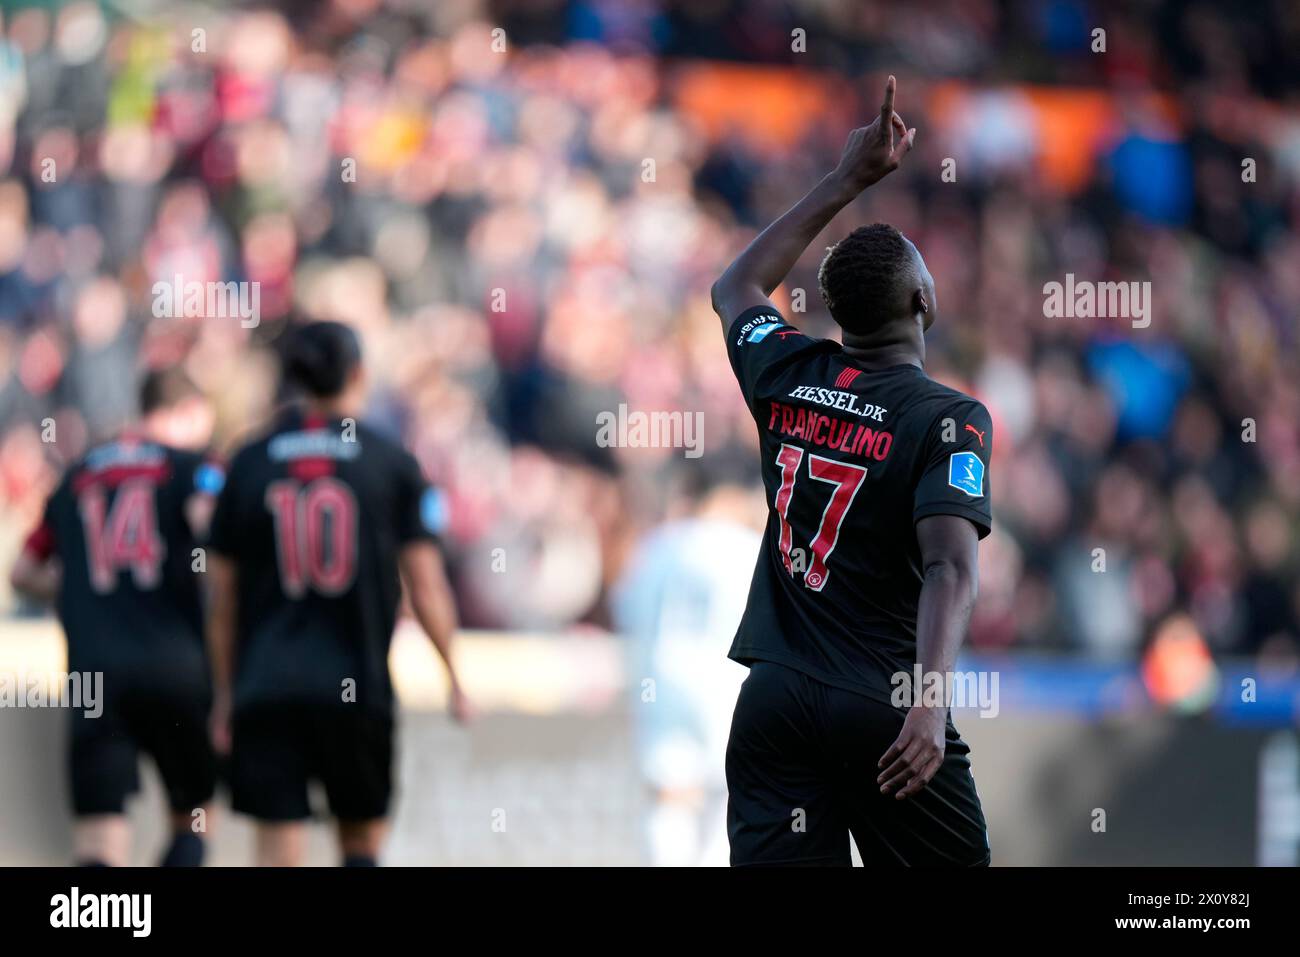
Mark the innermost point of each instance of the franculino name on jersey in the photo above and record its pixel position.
(835, 399)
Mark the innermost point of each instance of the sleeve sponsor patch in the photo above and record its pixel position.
(759, 328)
(966, 472)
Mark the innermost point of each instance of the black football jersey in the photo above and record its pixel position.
(851, 459)
(313, 515)
(129, 600)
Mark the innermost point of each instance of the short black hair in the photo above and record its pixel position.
(866, 277)
(318, 357)
(165, 388)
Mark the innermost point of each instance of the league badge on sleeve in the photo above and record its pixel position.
(966, 472)
(209, 478)
(433, 511)
(760, 327)
(762, 332)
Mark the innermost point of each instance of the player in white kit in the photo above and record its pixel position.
(679, 602)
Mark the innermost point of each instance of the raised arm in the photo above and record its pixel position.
(949, 552)
(871, 153)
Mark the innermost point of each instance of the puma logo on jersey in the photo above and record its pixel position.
(978, 434)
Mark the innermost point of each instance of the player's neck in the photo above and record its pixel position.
(889, 347)
(335, 408)
(151, 428)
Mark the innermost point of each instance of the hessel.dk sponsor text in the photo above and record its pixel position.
(835, 399)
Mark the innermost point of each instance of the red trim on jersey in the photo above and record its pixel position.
(112, 477)
(305, 470)
(40, 543)
(845, 378)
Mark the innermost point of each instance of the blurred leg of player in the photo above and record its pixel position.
(360, 841)
(284, 845)
(673, 828)
(102, 768)
(104, 840)
(188, 837)
(678, 602)
(281, 845)
(687, 828)
(717, 849)
(172, 728)
(101, 840)
(104, 755)
(682, 737)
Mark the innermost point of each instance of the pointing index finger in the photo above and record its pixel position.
(887, 109)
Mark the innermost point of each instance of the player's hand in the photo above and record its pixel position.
(219, 723)
(913, 759)
(874, 151)
(459, 706)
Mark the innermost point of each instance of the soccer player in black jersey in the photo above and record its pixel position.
(878, 493)
(116, 553)
(319, 522)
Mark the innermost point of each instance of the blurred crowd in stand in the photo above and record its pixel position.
(521, 206)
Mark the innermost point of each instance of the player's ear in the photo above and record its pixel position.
(923, 306)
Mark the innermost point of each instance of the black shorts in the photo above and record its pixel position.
(104, 751)
(801, 775)
(277, 749)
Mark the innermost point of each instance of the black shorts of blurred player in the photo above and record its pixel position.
(279, 750)
(104, 754)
